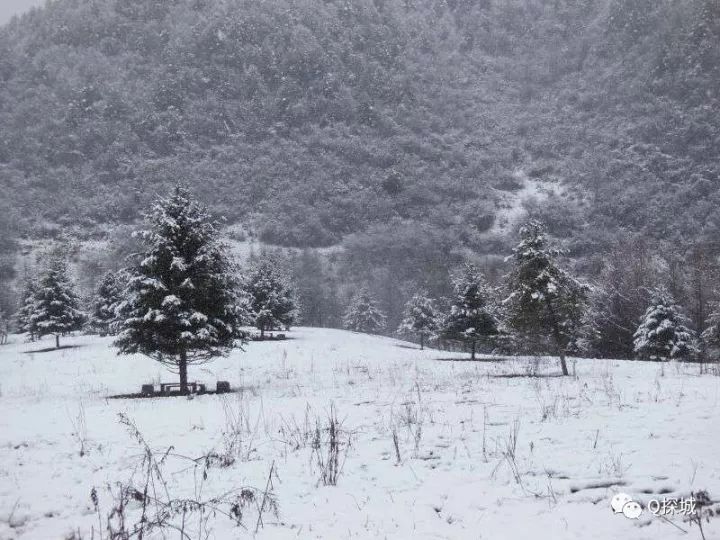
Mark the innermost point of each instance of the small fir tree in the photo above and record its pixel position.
(104, 318)
(181, 306)
(271, 300)
(420, 317)
(543, 297)
(363, 314)
(473, 315)
(55, 307)
(663, 333)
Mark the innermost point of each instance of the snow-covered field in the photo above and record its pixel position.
(481, 456)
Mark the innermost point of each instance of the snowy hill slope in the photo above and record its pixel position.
(480, 456)
(308, 122)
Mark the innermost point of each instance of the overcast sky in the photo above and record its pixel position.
(8, 8)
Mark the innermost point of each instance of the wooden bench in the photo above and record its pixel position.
(148, 390)
(193, 388)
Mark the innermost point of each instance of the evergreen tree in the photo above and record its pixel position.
(473, 316)
(363, 314)
(181, 306)
(104, 318)
(420, 317)
(711, 334)
(22, 317)
(663, 333)
(316, 289)
(618, 299)
(270, 296)
(543, 297)
(55, 308)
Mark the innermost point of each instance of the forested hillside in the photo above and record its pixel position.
(309, 120)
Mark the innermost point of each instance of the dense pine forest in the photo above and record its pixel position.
(403, 133)
(311, 120)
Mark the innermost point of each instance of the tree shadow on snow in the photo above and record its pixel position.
(525, 375)
(51, 349)
(476, 361)
(173, 394)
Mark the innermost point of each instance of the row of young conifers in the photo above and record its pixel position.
(183, 301)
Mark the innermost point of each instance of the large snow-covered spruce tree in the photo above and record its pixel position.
(473, 314)
(420, 317)
(270, 297)
(544, 299)
(363, 314)
(182, 306)
(104, 318)
(663, 333)
(55, 308)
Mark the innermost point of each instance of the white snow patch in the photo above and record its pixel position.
(511, 210)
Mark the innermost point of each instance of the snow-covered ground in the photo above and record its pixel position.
(481, 456)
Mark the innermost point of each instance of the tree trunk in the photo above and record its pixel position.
(558, 339)
(262, 331)
(422, 341)
(472, 353)
(57, 341)
(183, 373)
(563, 364)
